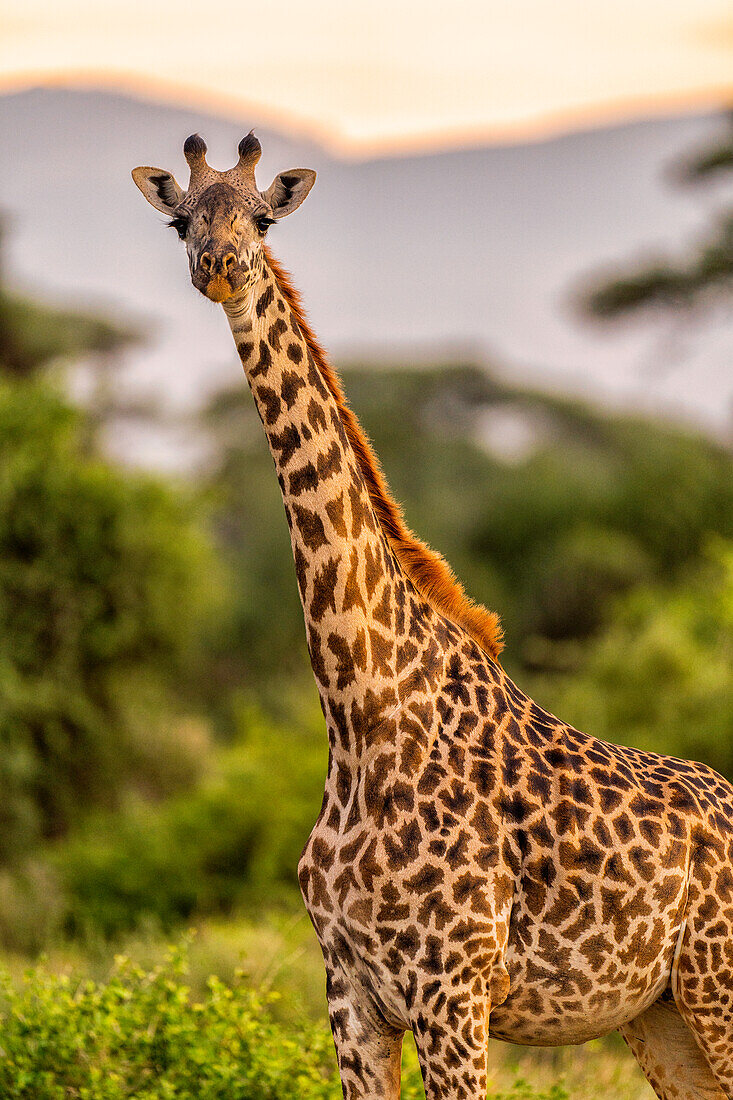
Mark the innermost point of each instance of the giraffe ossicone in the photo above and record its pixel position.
(478, 866)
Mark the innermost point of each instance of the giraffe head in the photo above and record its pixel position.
(222, 216)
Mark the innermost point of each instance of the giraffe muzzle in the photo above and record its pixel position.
(218, 275)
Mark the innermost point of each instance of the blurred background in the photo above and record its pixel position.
(519, 251)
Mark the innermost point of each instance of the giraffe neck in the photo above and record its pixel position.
(367, 629)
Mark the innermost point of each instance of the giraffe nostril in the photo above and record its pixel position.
(206, 261)
(228, 262)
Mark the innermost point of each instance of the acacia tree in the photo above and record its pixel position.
(33, 337)
(702, 276)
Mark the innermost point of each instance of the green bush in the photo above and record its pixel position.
(233, 840)
(104, 580)
(142, 1035)
(660, 676)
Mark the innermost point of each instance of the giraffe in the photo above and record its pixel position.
(478, 867)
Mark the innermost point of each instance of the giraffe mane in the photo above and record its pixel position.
(428, 571)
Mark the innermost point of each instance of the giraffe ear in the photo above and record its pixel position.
(159, 188)
(287, 191)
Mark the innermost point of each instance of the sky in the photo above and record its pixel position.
(547, 126)
(368, 77)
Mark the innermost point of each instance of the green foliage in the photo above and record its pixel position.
(235, 839)
(523, 1090)
(103, 585)
(717, 159)
(661, 675)
(142, 1034)
(33, 337)
(36, 339)
(668, 285)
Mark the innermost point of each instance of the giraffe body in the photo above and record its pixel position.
(584, 899)
(478, 867)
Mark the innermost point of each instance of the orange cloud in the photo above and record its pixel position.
(388, 75)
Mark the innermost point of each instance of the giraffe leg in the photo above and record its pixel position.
(368, 1049)
(452, 1046)
(711, 1023)
(703, 990)
(669, 1055)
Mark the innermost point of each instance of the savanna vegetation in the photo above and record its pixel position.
(162, 746)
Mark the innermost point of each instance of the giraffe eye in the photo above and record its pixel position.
(180, 224)
(263, 223)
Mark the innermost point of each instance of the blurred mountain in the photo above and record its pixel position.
(473, 252)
